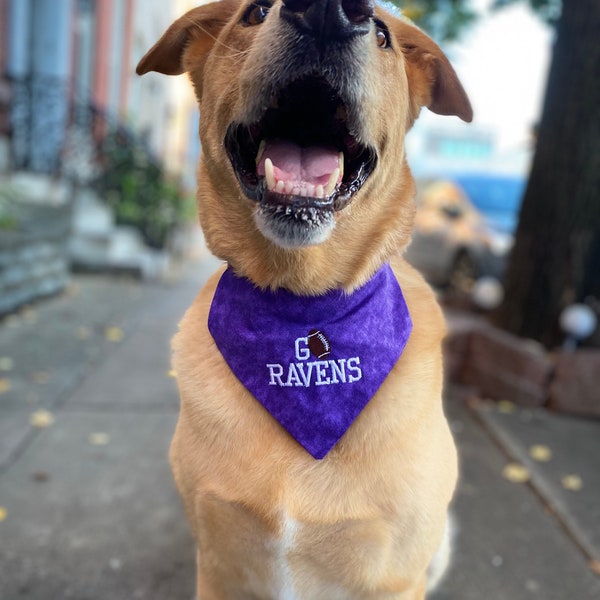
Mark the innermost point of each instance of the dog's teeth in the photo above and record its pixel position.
(341, 165)
(270, 174)
(261, 150)
(310, 190)
(289, 187)
(333, 180)
(280, 187)
(319, 191)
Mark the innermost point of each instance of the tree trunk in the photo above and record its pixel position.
(556, 257)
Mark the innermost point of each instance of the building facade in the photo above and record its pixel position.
(68, 64)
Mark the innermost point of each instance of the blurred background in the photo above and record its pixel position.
(100, 254)
(88, 145)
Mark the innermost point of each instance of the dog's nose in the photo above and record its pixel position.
(330, 20)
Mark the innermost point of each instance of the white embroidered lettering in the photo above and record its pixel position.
(302, 351)
(338, 370)
(320, 372)
(275, 373)
(293, 378)
(353, 367)
(322, 378)
(306, 376)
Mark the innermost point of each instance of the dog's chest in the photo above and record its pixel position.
(284, 546)
(303, 569)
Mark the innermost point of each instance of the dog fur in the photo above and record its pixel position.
(270, 521)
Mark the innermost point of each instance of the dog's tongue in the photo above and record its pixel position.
(301, 170)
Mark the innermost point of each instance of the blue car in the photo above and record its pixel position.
(496, 197)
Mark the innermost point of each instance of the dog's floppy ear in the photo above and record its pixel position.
(197, 30)
(431, 78)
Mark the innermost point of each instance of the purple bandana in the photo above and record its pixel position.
(313, 362)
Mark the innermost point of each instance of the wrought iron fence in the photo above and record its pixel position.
(52, 133)
(38, 122)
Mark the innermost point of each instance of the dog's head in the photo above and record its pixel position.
(304, 107)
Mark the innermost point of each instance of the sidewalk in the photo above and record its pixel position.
(88, 510)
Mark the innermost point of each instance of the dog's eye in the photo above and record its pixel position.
(382, 35)
(256, 14)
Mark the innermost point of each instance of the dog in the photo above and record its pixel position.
(311, 453)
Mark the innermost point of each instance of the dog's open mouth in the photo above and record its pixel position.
(302, 153)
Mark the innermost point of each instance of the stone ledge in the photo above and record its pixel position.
(33, 258)
(575, 387)
(502, 366)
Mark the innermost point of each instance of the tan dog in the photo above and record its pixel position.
(335, 76)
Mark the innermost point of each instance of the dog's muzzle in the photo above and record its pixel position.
(303, 154)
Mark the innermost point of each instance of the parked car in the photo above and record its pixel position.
(464, 228)
(496, 197)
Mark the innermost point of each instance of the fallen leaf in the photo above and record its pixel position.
(595, 566)
(516, 473)
(41, 377)
(83, 333)
(99, 438)
(573, 482)
(3, 514)
(540, 453)
(6, 363)
(41, 419)
(28, 314)
(4, 386)
(474, 401)
(41, 477)
(113, 334)
(72, 290)
(506, 407)
(172, 373)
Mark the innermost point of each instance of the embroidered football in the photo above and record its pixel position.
(318, 344)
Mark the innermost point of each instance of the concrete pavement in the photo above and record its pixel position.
(87, 506)
(515, 538)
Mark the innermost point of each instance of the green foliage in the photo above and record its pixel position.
(7, 222)
(444, 20)
(548, 10)
(8, 219)
(136, 187)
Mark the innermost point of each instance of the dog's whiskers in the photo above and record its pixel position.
(236, 52)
